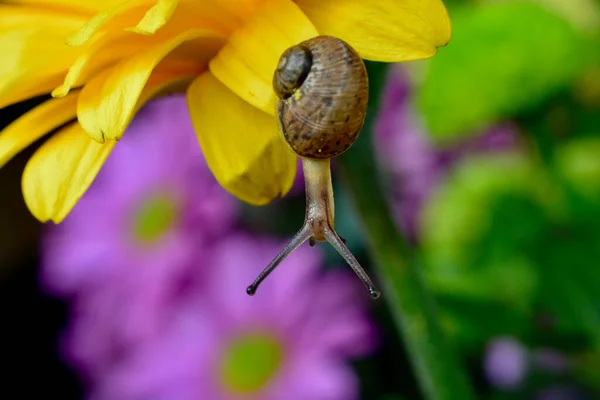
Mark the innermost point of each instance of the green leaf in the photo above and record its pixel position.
(460, 211)
(472, 323)
(501, 231)
(570, 288)
(479, 233)
(578, 161)
(504, 59)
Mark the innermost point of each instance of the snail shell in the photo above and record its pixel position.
(323, 90)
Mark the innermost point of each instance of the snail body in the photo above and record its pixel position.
(323, 89)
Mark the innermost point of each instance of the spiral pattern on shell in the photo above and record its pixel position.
(323, 89)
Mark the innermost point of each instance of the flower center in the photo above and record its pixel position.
(154, 218)
(249, 362)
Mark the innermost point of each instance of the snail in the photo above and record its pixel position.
(322, 89)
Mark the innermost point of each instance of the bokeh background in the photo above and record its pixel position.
(490, 158)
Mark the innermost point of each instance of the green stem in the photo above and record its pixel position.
(438, 370)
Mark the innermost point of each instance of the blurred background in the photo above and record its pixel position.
(490, 158)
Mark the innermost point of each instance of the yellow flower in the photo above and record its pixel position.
(103, 59)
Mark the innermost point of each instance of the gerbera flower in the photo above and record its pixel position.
(290, 342)
(119, 54)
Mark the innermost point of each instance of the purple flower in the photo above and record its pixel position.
(416, 166)
(405, 153)
(151, 207)
(125, 252)
(506, 363)
(291, 340)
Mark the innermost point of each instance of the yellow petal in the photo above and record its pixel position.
(60, 172)
(34, 54)
(246, 64)
(241, 144)
(156, 17)
(117, 17)
(27, 86)
(35, 124)
(83, 5)
(157, 85)
(383, 30)
(148, 16)
(242, 9)
(223, 16)
(107, 49)
(108, 101)
(100, 54)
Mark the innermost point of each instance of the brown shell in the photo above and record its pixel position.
(322, 117)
